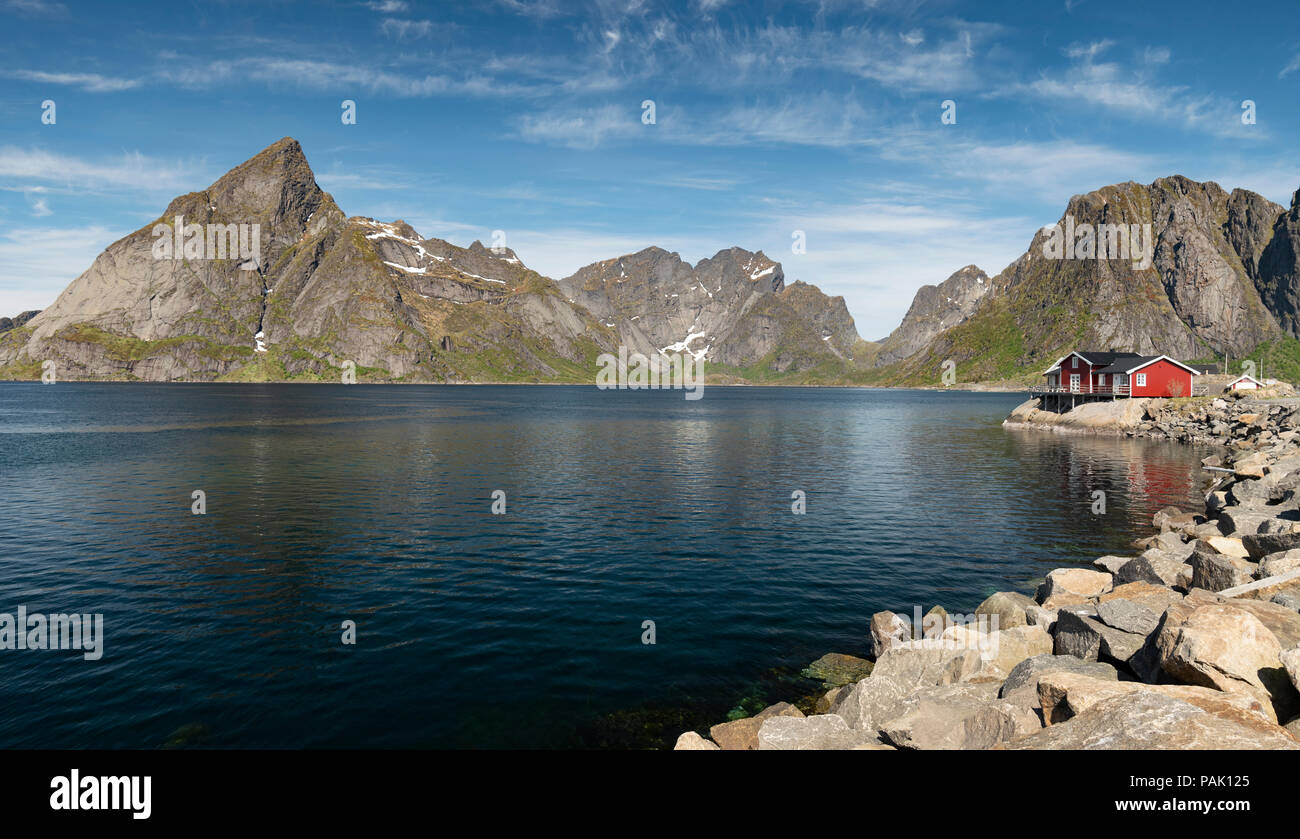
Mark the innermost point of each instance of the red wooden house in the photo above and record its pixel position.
(1119, 374)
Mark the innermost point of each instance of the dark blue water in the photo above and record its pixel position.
(373, 504)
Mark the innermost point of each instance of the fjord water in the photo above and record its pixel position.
(373, 504)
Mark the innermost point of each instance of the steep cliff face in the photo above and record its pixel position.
(1182, 282)
(150, 309)
(934, 309)
(1278, 271)
(289, 288)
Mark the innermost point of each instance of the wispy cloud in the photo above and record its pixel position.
(134, 171)
(92, 82)
(403, 30)
(1133, 93)
(325, 75)
(36, 263)
(1291, 67)
(36, 8)
(819, 121)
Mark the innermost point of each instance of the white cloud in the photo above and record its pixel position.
(324, 75)
(37, 8)
(91, 82)
(403, 30)
(130, 171)
(582, 129)
(1110, 86)
(819, 121)
(1089, 51)
(36, 264)
(1291, 67)
(1156, 55)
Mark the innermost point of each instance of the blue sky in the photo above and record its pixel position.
(525, 116)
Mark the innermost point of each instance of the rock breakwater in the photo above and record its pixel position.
(1193, 642)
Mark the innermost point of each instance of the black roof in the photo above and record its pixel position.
(1127, 363)
(1104, 358)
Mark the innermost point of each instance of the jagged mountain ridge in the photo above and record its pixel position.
(327, 289)
(733, 309)
(1222, 276)
(934, 309)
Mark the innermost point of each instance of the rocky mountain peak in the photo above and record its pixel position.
(326, 288)
(935, 308)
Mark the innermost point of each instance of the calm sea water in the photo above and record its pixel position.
(373, 504)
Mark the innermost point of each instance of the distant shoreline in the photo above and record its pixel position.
(928, 389)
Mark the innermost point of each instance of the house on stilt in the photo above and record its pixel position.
(1092, 376)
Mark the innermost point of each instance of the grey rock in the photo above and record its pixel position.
(1260, 545)
(1286, 600)
(1128, 616)
(1216, 572)
(823, 731)
(888, 629)
(957, 717)
(1021, 687)
(1090, 639)
(1155, 721)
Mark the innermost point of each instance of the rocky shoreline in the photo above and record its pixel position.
(1193, 643)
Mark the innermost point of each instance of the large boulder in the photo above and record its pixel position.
(1021, 687)
(1278, 563)
(823, 731)
(1224, 647)
(931, 662)
(1216, 572)
(888, 629)
(1151, 720)
(1228, 546)
(1072, 586)
(1153, 596)
(836, 669)
(1153, 568)
(1128, 616)
(865, 705)
(1010, 607)
(965, 716)
(1064, 695)
(1005, 649)
(1260, 545)
(910, 666)
(1111, 564)
(1087, 638)
(742, 734)
(1240, 522)
(1252, 465)
(692, 742)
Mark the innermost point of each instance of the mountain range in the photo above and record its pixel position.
(322, 289)
(326, 289)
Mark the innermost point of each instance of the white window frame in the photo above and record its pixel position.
(1074, 383)
(1101, 379)
(1139, 379)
